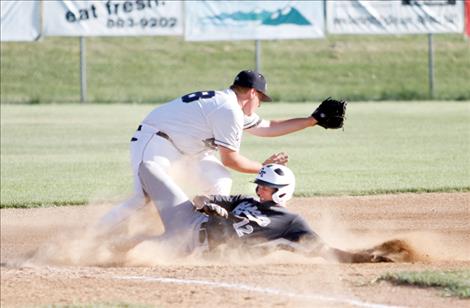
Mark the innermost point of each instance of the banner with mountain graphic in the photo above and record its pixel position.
(253, 20)
(395, 17)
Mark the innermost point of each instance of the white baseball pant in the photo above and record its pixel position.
(181, 222)
(196, 174)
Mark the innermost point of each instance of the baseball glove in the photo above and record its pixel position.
(331, 113)
(202, 204)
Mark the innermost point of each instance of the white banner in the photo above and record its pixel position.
(20, 20)
(112, 17)
(394, 17)
(253, 20)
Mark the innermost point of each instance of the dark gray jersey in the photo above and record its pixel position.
(253, 222)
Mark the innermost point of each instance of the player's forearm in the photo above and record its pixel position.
(276, 128)
(240, 163)
(346, 256)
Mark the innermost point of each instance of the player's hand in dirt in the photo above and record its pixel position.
(361, 257)
(389, 251)
(278, 158)
(380, 259)
(393, 250)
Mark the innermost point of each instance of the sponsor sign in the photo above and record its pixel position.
(112, 17)
(253, 20)
(394, 17)
(20, 20)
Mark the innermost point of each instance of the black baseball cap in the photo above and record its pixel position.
(252, 79)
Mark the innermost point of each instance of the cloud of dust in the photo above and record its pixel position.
(435, 246)
(88, 246)
(135, 244)
(427, 246)
(186, 175)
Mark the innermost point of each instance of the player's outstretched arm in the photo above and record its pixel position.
(275, 128)
(315, 247)
(335, 254)
(331, 113)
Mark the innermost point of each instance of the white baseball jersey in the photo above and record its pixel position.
(188, 121)
(198, 120)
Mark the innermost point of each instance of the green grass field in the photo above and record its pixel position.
(453, 283)
(75, 154)
(156, 69)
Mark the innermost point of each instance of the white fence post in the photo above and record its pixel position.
(258, 55)
(430, 65)
(83, 83)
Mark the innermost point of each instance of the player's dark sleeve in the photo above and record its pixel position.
(227, 202)
(306, 240)
(299, 230)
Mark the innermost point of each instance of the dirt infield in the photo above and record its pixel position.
(47, 258)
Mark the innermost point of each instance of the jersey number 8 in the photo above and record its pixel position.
(191, 97)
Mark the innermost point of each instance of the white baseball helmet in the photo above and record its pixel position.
(279, 177)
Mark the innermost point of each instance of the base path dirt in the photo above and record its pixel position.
(49, 257)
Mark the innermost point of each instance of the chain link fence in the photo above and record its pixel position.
(157, 69)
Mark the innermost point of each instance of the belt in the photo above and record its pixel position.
(163, 135)
(209, 143)
(203, 233)
(160, 134)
